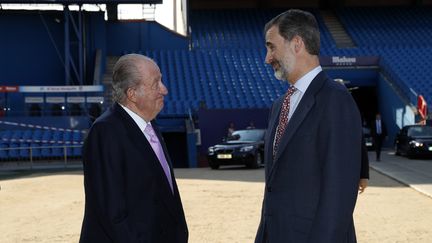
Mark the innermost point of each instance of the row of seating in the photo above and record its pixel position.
(220, 79)
(40, 144)
(388, 27)
(42, 135)
(38, 151)
(401, 36)
(225, 68)
(233, 29)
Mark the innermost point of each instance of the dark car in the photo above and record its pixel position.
(368, 140)
(244, 147)
(414, 140)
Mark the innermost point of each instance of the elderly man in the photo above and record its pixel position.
(131, 193)
(312, 144)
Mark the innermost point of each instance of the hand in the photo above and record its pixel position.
(363, 183)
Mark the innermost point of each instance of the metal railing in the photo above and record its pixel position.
(26, 157)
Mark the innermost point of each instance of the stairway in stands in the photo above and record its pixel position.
(337, 30)
(107, 79)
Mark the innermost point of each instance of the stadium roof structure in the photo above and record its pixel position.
(76, 67)
(83, 1)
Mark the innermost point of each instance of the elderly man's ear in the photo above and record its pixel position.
(131, 94)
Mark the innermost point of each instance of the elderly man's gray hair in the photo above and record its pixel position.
(126, 75)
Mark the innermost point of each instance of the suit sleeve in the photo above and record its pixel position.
(384, 130)
(340, 169)
(364, 171)
(260, 232)
(104, 182)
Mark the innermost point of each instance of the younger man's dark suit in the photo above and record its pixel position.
(312, 181)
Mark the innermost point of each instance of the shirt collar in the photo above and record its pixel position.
(142, 124)
(303, 83)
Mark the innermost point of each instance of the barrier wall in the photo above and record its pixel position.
(395, 113)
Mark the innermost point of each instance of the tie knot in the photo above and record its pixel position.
(149, 130)
(291, 90)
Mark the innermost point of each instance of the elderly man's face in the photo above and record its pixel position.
(151, 91)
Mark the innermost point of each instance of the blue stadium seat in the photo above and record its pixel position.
(27, 135)
(77, 151)
(46, 136)
(14, 152)
(35, 150)
(24, 152)
(77, 136)
(3, 151)
(37, 135)
(46, 150)
(57, 150)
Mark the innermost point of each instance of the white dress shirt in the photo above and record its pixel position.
(301, 86)
(142, 124)
(378, 127)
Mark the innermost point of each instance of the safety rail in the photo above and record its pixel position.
(32, 155)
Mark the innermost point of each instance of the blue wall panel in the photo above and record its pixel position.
(127, 37)
(28, 53)
(32, 46)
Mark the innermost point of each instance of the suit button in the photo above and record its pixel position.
(269, 189)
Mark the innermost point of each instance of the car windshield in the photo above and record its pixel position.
(246, 136)
(420, 131)
(366, 131)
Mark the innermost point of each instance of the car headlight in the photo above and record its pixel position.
(415, 143)
(246, 148)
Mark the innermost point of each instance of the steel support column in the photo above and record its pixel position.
(77, 30)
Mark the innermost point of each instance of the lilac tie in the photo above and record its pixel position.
(157, 148)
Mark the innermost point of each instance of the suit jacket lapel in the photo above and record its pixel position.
(303, 108)
(133, 131)
(273, 123)
(299, 114)
(169, 199)
(140, 141)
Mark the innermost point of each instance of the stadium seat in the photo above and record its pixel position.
(3, 151)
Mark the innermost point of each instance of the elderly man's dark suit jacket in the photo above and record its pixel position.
(364, 169)
(311, 184)
(128, 198)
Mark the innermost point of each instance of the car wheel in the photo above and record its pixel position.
(410, 155)
(397, 152)
(214, 165)
(257, 161)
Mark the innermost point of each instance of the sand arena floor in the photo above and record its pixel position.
(221, 206)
